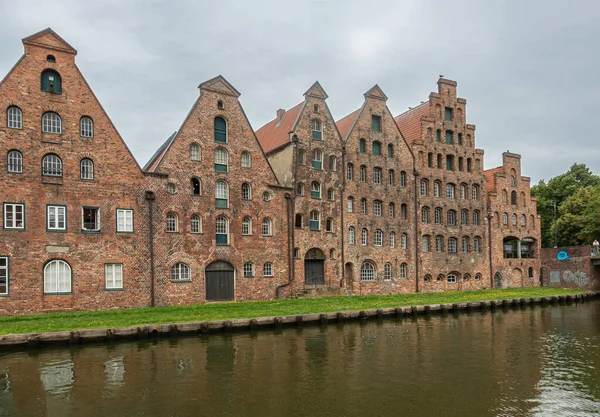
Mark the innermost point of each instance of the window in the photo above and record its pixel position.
(451, 279)
(364, 237)
(222, 230)
(266, 196)
(296, 252)
(430, 160)
(220, 105)
(437, 216)
(440, 278)
(376, 123)
(403, 269)
(315, 220)
(403, 211)
(466, 277)
(513, 198)
(86, 169)
(512, 181)
(221, 195)
(113, 274)
(195, 187)
(514, 219)
(350, 204)
(299, 189)
(450, 191)
(391, 177)
(14, 118)
(363, 206)
(529, 273)
(451, 217)
(221, 160)
(268, 269)
(452, 245)
(4, 275)
(15, 162)
(316, 108)
(465, 244)
(436, 189)
(367, 272)
(299, 221)
(449, 162)
(51, 58)
(246, 160)
(171, 188)
(475, 192)
(377, 175)
(350, 172)
(317, 129)
(523, 220)
(329, 225)
(315, 190)
(460, 140)
(90, 219)
(301, 157)
(86, 127)
(392, 240)
(425, 215)
(332, 163)
(195, 154)
(439, 160)
(363, 173)
(468, 164)
(460, 161)
(477, 277)
(351, 235)
(427, 279)
(362, 146)
(376, 148)
(378, 238)
(377, 209)
(246, 191)
(317, 159)
(391, 210)
(331, 194)
(267, 227)
(124, 220)
(403, 241)
(439, 244)
(438, 135)
(248, 270)
(180, 272)
(464, 217)
(14, 216)
(477, 245)
(52, 166)
(425, 243)
(387, 271)
(220, 130)
(196, 224)
(402, 179)
(390, 151)
(246, 226)
(476, 218)
(505, 219)
(448, 113)
(57, 277)
(172, 222)
(449, 137)
(424, 187)
(51, 82)
(51, 123)
(56, 218)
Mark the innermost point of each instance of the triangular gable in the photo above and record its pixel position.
(316, 91)
(219, 85)
(48, 38)
(376, 92)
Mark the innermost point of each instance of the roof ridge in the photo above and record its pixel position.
(411, 109)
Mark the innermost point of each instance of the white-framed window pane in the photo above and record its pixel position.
(452, 245)
(57, 216)
(387, 271)
(86, 169)
(52, 166)
(195, 154)
(364, 237)
(450, 192)
(15, 161)
(51, 123)
(377, 208)
(57, 277)
(403, 270)
(266, 227)
(351, 235)
(180, 272)
(124, 220)
(172, 222)
(248, 269)
(86, 127)
(392, 240)
(14, 216)
(247, 226)
(377, 175)
(246, 160)
(196, 224)
(268, 269)
(367, 272)
(378, 238)
(403, 241)
(114, 276)
(14, 118)
(4, 278)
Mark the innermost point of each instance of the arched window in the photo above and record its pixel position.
(523, 220)
(221, 160)
(86, 127)
(246, 160)
(246, 191)
(350, 172)
(316, 108)
(267, 196)
(460, 139)
(477, 244)
(362, 146)
(364, 237)
(51, 123)
(248, 270)
(268, 269)
(427, 279)
(477, 277)
(451, 217)
(221, 195)
(403, 241)
(424, 188)
(332, 163)
(403, 211)
(464, 217)
(317, 159)
(476, 218)
(530, 272)
(351, 235)
(439, 244)
(449, 134)
(392, 240)
(195, 154)
(505, 218)
(425, 243)
(513, 198)
(438, 135)
(514, 219)
(475, 192)
(317, 129)
(452, 245)
(172, 222)
(377, 208)
(391, 177)
(350, 204)
(390, 150)
(402, 179)
(450, 162)
(51, 82)
(463, 191)
(222, 230)
(437, 218)
(469, 164)
(299, 221)
(387, 271)
(267, 227)
(450, 191)
(14, 117)
(220, 130)
(465, 244)
(196, 224)
(331, 194)
(430, 160)
(367, 272)
(52, 166)
(512, 181)
(403, 270)
(466, 277)
(436, 188)
(51, 58)
(363, 173)
(86, 169)
(57, 277)
(15, 162)
(301, 157)
(329, 225)
(299, 189)
(171, 188)
(180, 272)
(377, 175)
(315, 220)
(220, 105)
(195, 186)
(425, 215)
(460, 162)
(440, 278)
(376, 148)
(378, 241)
(363, 206)
(315, 190)
(391, 210)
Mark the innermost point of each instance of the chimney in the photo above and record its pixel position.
(280, 114)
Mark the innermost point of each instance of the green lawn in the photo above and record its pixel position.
(225, 311)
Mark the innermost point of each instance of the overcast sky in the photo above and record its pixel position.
(528, 69)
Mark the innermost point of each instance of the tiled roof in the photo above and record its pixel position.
(409, 122)
(490, 176)
(276, 133)
(158, 155)
(345, 123)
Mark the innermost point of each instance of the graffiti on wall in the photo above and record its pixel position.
(577, 278)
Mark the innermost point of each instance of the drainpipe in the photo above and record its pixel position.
(489, 216)
(342, 200)
(150, 199)
(416, 223)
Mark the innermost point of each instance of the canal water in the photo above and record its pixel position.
(541, 361)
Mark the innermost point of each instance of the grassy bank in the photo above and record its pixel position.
(225, 311)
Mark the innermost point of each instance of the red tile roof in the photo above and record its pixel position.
(490, 176)
(345, 123)
(409, 122)
(276, 133)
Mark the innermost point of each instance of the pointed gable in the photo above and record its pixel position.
(376, 92)
(276, 133)
(316, 91)
(219, 85)
(48, 38)
(409, 122)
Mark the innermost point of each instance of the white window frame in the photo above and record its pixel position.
(451, 278)
(267, 227)
(14, 161)
(247, 226)
(403, 241)
(367, 271)
(363, 173)
(14, 118)
(246, 191)
(387, 272)
(246, 160)
(350, 205)
(125, 220)
(222, 228)
(5, 274)
(51, 123)
(195, 152)
(52, 166)
(86, 169)
(196, 224)
(172, 222)
(59, 215)
(86, 127)
(364, 237)
(403, 270)
(436, 188)
(113, 276)
(452, 245)
(57, 277)
(475, 192)
(424, 186)
(476, 218)
(268, 269)
(392, 240)
(181, 272)
(248, 269)
(377, 207)
(425, 242)
(351, 235)
(450, 191)
(16, 220)
(377, 175)
(378, 239)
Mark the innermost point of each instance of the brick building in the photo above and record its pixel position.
(367, 204)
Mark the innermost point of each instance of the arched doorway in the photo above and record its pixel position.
(498, 280)
(314, 267)
(220, 281)
(349, 274)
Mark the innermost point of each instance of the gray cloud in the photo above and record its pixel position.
(527, 69)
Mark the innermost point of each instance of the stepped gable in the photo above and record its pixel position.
(490, 178)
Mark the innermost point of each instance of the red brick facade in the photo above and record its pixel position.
(222, 213)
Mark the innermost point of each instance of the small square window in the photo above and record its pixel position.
(90, 219)
(14, 216)
(56, 218)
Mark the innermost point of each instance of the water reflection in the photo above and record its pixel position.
(542, 361)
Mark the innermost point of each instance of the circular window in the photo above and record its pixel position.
(267, 196)
(171, 188)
